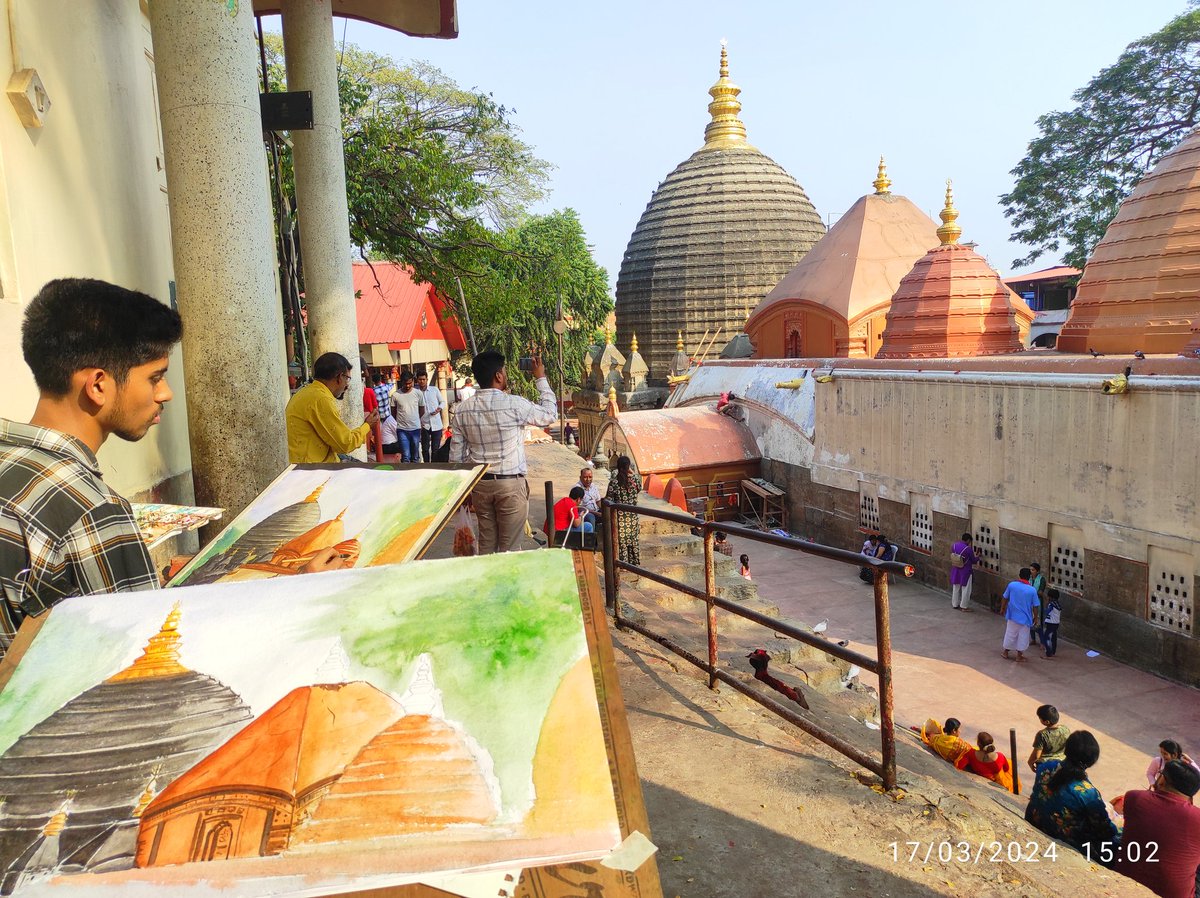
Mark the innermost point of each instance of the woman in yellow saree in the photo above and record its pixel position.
(945, 739)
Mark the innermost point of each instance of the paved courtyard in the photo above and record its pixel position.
(948, 664)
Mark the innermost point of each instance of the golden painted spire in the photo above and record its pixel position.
(161, 655)
(58, 820)
(148, 793)
(949, 232)
(882, 183)
(633, 345)
(316, 494)
(679, 342)
(608, 337)
(725, 128)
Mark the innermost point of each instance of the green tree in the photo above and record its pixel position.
(542, 260)
(431, 169)
(1086, 160)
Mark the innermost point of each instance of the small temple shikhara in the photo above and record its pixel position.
(952, 304)
(883, 380)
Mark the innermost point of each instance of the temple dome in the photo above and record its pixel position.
(834, 302)
(953, 304)
(148, 723)
(717, 235)
(1140, 289)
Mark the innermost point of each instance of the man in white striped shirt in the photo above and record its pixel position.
(489, 428)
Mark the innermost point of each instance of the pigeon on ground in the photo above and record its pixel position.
(822, 626)
(1138, 354)
(1095, 354)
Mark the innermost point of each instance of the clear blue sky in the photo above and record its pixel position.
(615, 94)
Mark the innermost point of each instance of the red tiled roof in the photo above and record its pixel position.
(389, 304)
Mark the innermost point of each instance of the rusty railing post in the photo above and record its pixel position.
(614, 548)
(883, 638)
(549, 514)
(1012, 754)
(710, 589)
(610, 568)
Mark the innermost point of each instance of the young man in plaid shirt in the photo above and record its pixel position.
(98, 353)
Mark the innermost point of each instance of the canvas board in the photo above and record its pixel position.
(307, 736)
(373, 514)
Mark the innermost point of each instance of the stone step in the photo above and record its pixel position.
(690, 568)
(657, 545)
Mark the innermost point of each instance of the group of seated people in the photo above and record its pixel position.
(1157, 843)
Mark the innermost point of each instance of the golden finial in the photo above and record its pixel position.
(316, 494)
(58, 820)
(679, 342)
(148, 793)
(161, 655)
(725, 128)
(608, 337)
(882, 183)
(949, 232)
(633, 344)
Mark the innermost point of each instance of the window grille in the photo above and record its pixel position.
(1066, 559)
(986, 532)
(868, 506)
(1171, 590)
(921, 512)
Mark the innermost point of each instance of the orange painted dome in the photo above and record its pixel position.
(952, 304)
(1141, 287)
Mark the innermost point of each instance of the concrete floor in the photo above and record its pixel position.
(948, 664)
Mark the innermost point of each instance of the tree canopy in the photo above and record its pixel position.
(437, 178)
(1086, 160)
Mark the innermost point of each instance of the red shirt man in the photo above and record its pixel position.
(1160, 844)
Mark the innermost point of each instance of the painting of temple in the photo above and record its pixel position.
(369, 514)
(352, 730)
(77, 782)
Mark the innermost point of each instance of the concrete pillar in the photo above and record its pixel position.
(321, 191)
(223, 247)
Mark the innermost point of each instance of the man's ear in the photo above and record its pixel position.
(96, 386)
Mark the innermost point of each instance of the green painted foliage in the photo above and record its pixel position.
(1087, 159)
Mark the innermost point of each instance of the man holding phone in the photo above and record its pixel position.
(490, 429)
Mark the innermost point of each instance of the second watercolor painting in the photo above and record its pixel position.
(372, 514)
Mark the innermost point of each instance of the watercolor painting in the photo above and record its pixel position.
(372, 514)
(308, 735)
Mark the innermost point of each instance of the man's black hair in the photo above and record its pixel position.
(330, 365)
(406, 377)
(486, 366)
(1047, 714)
(577, 493)
(1182, 777)
(1024, 573)
(77, 323)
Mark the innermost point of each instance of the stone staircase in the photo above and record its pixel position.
(672, 550)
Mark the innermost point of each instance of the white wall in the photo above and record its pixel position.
(85, 195)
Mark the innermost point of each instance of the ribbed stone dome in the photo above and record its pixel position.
(73, 781)
(718, 234)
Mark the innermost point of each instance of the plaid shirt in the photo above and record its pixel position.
(489, 428)
(63, 532)
(382, 392)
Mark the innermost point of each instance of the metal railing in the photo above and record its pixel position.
(881, 665)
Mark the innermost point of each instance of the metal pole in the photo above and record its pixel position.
(467, 315)
(883, 639)
(562, 429)
(550, 514)
(1012, 754)
(610, 567)
(615, 548)
(710, 588)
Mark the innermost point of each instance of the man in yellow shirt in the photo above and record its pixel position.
(315, 430)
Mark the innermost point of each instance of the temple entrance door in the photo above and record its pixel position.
(218, 840)
(792, 345)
